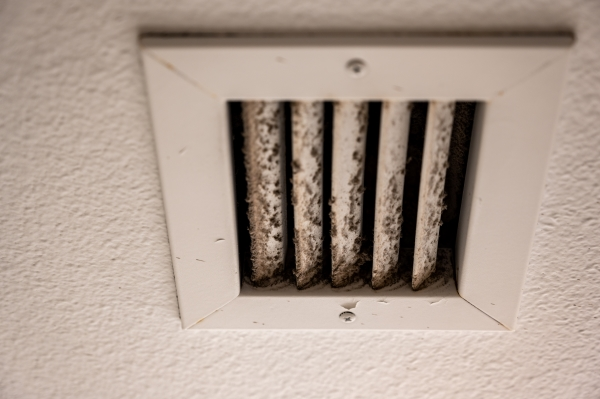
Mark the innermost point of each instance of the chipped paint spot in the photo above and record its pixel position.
(350, 305)
(438, 302)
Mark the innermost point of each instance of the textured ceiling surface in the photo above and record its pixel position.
(88, 304)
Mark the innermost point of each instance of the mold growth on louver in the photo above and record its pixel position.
(265, 175)
(349, 140)
(431, 192)
(443, 272)
(395, 124)
(307, 196)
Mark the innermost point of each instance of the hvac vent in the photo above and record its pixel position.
(294, 183)
(203, 89)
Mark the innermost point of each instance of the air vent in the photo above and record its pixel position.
(369, 205)
(295, 190)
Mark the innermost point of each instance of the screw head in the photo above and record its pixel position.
(356, 68)
(347, 317)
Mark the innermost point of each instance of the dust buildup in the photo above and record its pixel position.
(442, 275)
(307, 197)
(263, 158)
(395, 123)
(431, 192)
(387, 239)
(349, 141)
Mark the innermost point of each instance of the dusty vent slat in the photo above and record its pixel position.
(307, 195)
(391, 169)
(265, 174)
(349, 142)
(431, 191)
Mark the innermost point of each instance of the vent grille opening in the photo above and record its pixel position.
(347, 193)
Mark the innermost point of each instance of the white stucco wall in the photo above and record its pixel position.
(87, 297)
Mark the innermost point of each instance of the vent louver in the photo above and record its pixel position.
(287, 201)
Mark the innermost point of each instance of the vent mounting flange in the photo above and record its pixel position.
(516, 82)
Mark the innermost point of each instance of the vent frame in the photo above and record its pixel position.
(517, 80)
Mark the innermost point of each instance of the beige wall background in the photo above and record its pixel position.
(88, 306)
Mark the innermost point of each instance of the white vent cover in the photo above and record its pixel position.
(516, 82)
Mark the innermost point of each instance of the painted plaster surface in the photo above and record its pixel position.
(88, 307)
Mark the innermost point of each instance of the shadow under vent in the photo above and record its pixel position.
(348, 193)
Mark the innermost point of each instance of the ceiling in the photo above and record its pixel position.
(88, 303)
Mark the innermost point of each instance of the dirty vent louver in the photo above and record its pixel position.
(275, 256)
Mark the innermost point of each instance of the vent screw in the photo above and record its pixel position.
(347, 317)
(356, 68)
